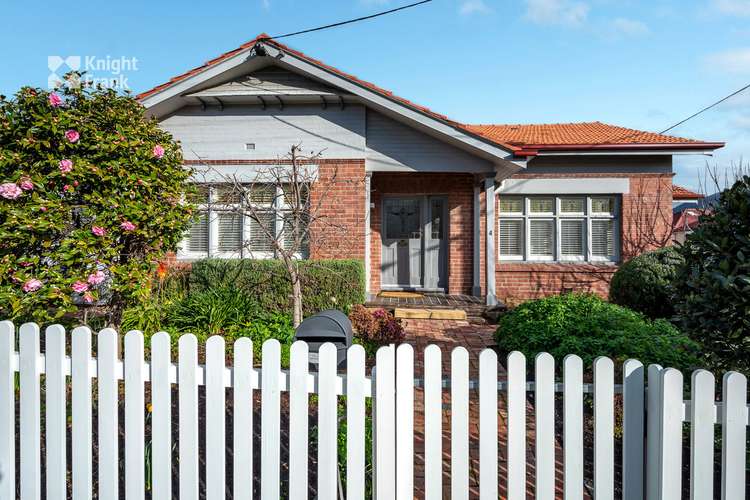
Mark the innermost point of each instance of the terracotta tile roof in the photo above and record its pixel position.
(523, 140)
(681, 193)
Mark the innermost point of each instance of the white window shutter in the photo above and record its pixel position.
(230, 232)
(542, 238)
(603, 238)
(197, 240)
(511, 237)
(571, 238)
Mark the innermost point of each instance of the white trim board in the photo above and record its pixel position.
(595, 185)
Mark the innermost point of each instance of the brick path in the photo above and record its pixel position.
(448, 335)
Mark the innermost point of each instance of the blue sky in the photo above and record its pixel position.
(641, 64)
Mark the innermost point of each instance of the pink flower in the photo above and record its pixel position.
(80, 287)
(158, 151)
(27, 185)
(98, 231)
(43, 209)
(72, 135)
(10, 191)
(96, 278)
(55, 100)
(88, 298)
(127, 226)
(66, 188)
(31, 285)
(65, 166)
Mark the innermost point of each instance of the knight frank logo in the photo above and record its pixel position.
(111, 72)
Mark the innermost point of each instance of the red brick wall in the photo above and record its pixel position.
(339, 204)
(646, 215)
(460, 192)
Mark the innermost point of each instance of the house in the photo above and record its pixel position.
(505, 212)
(686, 212)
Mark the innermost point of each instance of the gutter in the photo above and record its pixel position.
(537, 149)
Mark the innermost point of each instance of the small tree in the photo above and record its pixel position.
(290, 206)
(90, 200)
(713, 286)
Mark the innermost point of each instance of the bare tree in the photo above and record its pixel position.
(291, 210)
(716, 179)
(648, 212)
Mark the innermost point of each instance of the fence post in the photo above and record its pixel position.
(433, 423)
(7, 410)
(604, 421)
(733, 433)
(652, 431)
(670, 444)
(632, 430)
(385, 425)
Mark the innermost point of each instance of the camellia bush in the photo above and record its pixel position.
(713, 286)
(90, 199)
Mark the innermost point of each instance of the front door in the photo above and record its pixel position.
(413, 243)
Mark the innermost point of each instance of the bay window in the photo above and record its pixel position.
(223, 227)
(575, 228)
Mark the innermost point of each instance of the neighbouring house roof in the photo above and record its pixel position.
(687, 219)
(521, 140)
(681, 193)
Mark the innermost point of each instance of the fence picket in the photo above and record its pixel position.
(433, 423)
(652, 431)
(573, 427)
(55, 420)
(187, 407)
(243, 430)
(30, 429)
(355, 423)
(134, 416)
(215, 419)
(405, 420)
(670, 430)
(107, 416)
(385, 424)
(327, 424)
(7, 410)
(516, 426)
(604, 429)
(733, 433)
(298, 415)
(270, 436)
(632, 430)
(161, 417)
(460, 424)
(544, 402)
(488, 487)
(81, 438)
(702, 409)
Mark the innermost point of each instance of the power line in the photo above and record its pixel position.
(706, 108)
(350, 21)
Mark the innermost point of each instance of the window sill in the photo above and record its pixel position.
(555, 266)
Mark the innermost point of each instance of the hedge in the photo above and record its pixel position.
(326, 284)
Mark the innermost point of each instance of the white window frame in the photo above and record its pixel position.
(586, 217)
(213, 208)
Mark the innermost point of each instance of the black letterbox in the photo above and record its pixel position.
(327, 326)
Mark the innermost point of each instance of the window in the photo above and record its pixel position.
(558, 228)
(221, 231)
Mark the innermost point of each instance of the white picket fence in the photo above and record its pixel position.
(652, 442)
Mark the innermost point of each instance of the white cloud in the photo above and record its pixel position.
(473, 7)
(562, 12)
(629, 27)
(731, 61)
(733, 7)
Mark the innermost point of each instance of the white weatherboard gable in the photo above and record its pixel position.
(170, 99)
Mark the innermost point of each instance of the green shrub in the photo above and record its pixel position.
(645, 283)
(588, 326)
(326, 284)
(713, 286)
